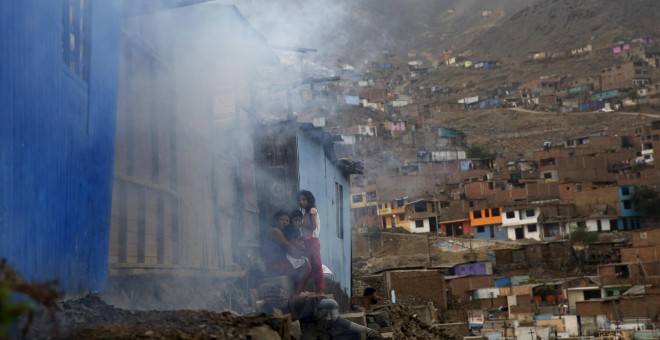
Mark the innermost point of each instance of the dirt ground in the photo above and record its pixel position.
(91, 318)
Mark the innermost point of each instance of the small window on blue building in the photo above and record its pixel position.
(339, 199)
(481, 229)
(625, 191)
(76, 34)
(627, 204)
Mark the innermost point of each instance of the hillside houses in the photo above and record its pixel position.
(589, 181)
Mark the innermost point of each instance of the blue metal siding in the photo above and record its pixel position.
(318, 175)
(56, 145)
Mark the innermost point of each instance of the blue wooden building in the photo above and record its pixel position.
(58, 86)
(295, 156)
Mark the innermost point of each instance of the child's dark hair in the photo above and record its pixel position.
(277, 215)
(295, 213)
(311, 201)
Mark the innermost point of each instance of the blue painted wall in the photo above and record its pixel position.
(498, 233)
(630, 218)
(502, 281)
(56, 143)
(626, 194)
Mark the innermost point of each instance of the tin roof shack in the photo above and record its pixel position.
(184, 195)
(294, 156)
(56, 139)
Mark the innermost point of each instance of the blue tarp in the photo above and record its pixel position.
(352, 100)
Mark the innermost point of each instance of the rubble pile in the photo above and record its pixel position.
(91, 318)
(406, 325)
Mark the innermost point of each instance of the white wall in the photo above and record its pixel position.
(425, 229)
(592, 225)
(520, 219)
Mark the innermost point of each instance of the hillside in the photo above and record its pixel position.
(560, 24)
(359, 30)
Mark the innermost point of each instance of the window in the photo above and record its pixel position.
(642, 235)
(402, 217)
(627, 204)
(358, 198)
(614, 224)
(487, 213)
(339, 209)
(420, 206)
(547, 175)
(625, 191)
(476, 214)
(621, 271)
(419, 224)
(531, 228)
(529, 212)
(471, 204)
(75, 30)
(481, 229)
(510, 214)
(495, 212)
(371, 196)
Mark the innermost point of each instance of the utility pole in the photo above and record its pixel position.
(437, 221)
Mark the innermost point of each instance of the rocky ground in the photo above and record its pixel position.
(92, 318)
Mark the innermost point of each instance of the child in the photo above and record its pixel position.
(293, 234)
(276, 248)
(311, 227)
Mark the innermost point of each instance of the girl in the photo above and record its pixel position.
(311, 228)
(275, 250)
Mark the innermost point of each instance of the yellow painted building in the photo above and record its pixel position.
(393, 213)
